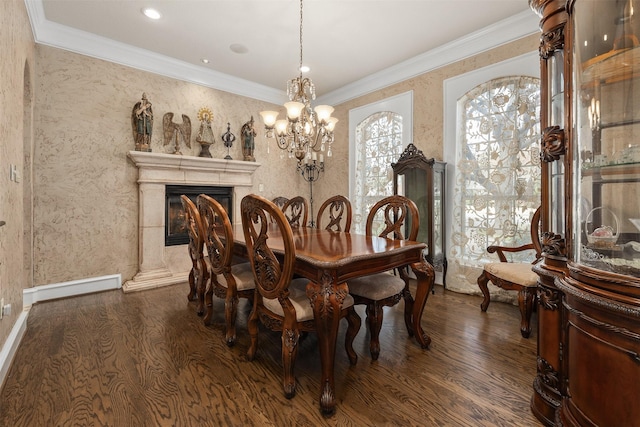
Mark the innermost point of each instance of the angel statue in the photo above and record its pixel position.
(142, 124)
(205, 134)
(174, 132)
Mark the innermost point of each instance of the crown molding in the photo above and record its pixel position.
(498, 34)
(60, 36)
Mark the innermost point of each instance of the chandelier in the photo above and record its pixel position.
(305, 132)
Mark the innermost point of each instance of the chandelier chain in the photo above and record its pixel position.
(300, 38)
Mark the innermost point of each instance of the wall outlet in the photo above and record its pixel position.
(1, 307)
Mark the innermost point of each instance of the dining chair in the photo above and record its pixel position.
(281, 302)
(280, 201)
(338, 210)
(198, 275)
(228, 281)
(391, 217)
(518, 276)
(296, 210)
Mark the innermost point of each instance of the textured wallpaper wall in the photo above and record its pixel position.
(16, 89)
(86, 195)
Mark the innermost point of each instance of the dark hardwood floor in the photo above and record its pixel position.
(146, 359)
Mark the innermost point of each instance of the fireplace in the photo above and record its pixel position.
(160, 265)
(175, 230)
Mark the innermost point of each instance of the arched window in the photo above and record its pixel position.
(378, 144)
(497, 174)
(377, 134)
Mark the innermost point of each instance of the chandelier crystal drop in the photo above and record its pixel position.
(305, 131)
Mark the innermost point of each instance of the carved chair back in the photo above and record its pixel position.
(195, 231)
(280, 201)
(398, 213)
(272, 273)
(339, 211)
(218, 234)
(296, 211)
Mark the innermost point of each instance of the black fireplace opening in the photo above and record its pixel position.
(175, 230)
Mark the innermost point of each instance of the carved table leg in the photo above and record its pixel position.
(326, 299)
(426, 279)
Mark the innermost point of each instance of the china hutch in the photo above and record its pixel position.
(588, 358)
(423, 181)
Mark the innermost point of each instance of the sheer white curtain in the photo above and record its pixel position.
(462, 274)
(378, 144)
(497, 168)
(378, 134)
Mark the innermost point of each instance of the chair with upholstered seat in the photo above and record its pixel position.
(394, 217)
(199, 274)
(296, 210)
(227, 280)
(280, 302)
(337, 209)
(517, 276)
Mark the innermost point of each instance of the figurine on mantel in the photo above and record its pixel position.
(174, 132)
(205, 134)
(142, 124)
(248, 133)
(228, 139)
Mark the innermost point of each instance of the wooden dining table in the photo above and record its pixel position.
(329, 259)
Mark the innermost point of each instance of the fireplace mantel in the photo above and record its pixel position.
(157, 265)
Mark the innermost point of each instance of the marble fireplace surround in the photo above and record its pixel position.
(159, 265)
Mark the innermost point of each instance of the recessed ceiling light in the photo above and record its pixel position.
(204, 60)
(238, 48)
(151, 13)
(305, 69)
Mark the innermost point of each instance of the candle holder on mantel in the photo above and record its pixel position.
(227, 139)
(310, 167)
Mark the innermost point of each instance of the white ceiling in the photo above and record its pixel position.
(347, 43)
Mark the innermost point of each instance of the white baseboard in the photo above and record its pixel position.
(11, 344)
(72, 288)
(48, 292)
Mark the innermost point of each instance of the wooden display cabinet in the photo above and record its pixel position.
(589, 288)
(423, 181)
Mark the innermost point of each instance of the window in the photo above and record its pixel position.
(462, 272)
(378, 134)
(378, 144)
(497, 167)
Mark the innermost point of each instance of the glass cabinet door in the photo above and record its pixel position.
(439, 226)
(606, 109)
(415, 188)
(423, 181)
